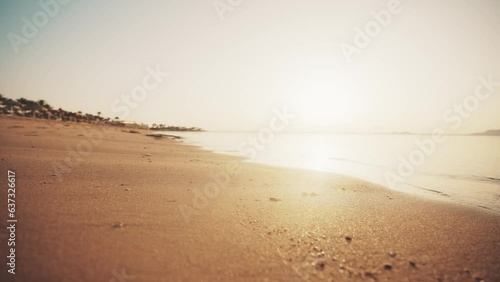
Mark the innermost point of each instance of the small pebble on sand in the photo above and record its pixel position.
(118, 224)
(320, 266)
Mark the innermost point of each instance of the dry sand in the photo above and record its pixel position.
(131, 210)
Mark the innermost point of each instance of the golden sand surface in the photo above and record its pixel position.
(103, 204)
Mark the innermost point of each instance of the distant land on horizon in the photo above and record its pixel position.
(491, 132)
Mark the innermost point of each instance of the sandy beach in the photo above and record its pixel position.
(103, 204)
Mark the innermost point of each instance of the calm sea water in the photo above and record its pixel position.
(465, 169)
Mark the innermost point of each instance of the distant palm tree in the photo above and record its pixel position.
(26, 105)
(23, 101)
(10, 102)
(44, 104)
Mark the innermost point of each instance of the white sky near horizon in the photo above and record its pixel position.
(229, 74)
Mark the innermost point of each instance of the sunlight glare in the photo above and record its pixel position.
(324, 98)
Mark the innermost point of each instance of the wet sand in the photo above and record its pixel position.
(130, 207)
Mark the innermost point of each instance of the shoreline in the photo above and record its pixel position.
(119, 209)
(427, 193)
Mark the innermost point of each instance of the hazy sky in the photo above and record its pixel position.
(230, 73)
